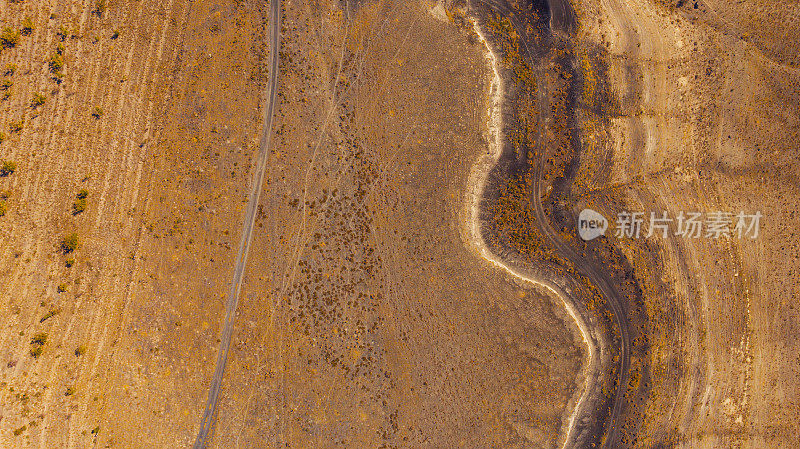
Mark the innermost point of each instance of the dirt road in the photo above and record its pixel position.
(247, 231)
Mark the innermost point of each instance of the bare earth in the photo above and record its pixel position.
(370, 314)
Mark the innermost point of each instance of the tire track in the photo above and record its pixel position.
(247, 232)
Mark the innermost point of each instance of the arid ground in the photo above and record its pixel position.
(415, 278)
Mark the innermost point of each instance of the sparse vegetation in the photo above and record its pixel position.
(78, 206)
(97, 112)
(49, 315)
(100, 7)
(62, 33)
(18, 432)
(16, 126)
(80, 203)
(38, 100)
(11, 68)
(7, 83)
(61, 288)
(2, 136)
(115, 34)
(70, 391)
(27, 26)
(60, 48)
(80, 350)
(3, 208)
(56, 63)
(37, 342)
(39, 339)
(8, 168)
(69, 262)
(70, 243)
(9, 38)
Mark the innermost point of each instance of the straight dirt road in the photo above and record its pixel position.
(247, 229)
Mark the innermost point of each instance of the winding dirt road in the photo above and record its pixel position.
(562, 23)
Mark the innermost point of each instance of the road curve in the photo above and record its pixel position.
(247, 229)
(560, 12)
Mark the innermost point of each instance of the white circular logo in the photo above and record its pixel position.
(591, 224)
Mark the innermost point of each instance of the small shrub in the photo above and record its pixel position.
(38, 100)
(82, 193)
(115, 34)
(79, 206)
(16, 126)
(96, 430)
(97, 112)
(80, 350)
(49, 315)
(8, 168)
(3, 208)
(100, 7)
(10, 69)
(69, 262)
(70, 243)
(56, 63)
(9, 38)
(27, 26)
(6, 84)
(18, 432)
(62, 33)
(61, 288)
(70, 391)
(2, 136)
(60, 49)
(39, 339)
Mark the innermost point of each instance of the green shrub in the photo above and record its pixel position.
(78, 206)
(82, 193)
(37, 100)
(62, 33)
(9, 38)
(70, 243)
(49, 315)
(56, 63)
(39, 339)
(27, 26)
(100, 7)
(8, 168)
